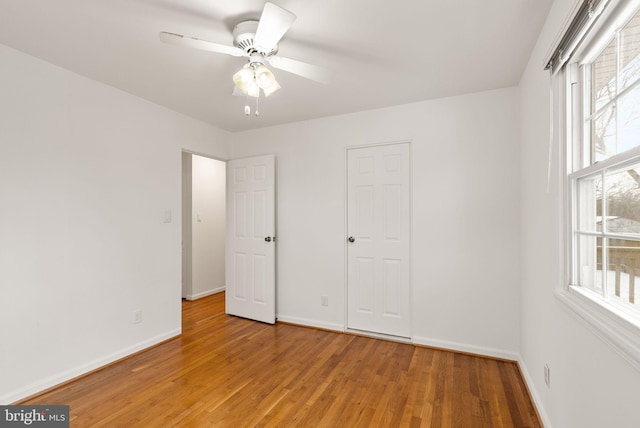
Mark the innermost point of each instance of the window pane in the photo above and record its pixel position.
(628, 122)
(603, 74)
(623, 271)
(590, 204)
(630, 53)
(603, 133)
(622, 188)
(590, 262)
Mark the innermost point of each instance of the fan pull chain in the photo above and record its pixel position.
(257, 111)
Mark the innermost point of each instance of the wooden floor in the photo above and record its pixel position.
(227, 371)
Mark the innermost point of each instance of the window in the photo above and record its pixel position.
(599, 60)
(606, 173)
(607, 236)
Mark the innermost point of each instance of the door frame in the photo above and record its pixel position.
(182, 219)
(346, 247)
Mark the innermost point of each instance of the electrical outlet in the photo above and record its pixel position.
(324, 300)
(137, 316)
(547, 375)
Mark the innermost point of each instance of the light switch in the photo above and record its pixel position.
(166, 216)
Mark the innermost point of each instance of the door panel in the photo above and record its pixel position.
(392, 287)
(393, 212)
(378, 218)
(364, 212)
(250, 257)
(364, 278)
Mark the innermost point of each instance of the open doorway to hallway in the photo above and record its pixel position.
(203, 226)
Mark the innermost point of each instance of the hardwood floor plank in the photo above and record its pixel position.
(225, 371)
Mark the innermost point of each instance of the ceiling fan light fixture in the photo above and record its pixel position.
(253, 90)
(251, 78)
(257, 41)
(264, 77)
(271, 89)
(244, 79)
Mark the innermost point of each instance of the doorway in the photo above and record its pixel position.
(379, 239)
(203, 226)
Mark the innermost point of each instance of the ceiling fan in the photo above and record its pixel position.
(258, 41)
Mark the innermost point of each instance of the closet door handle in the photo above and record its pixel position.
(351, 239)
(267, 239)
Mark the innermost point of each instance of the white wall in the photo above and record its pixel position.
(591, 386)
(465, 215)
(86, 173)
(207, 226)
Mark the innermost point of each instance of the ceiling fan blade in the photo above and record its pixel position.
(309, 71)
(192, 42)
(274, 22)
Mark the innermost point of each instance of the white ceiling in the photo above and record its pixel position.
(383, 53)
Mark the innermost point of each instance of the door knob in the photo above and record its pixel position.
(267, 239)
(351, 239)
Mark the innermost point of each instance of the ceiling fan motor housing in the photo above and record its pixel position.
(243, 37)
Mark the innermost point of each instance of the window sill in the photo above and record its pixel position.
(613, 326)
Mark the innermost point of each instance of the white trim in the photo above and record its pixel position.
(205, 293)
(537, 400)
(70, 374)
(311, 323)
(613, 163)
(345, 288)
(424, 341)
(464, 347)
(382, 336)
(607, 322)
(203, 155)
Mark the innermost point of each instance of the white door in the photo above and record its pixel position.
(379, 239)
(250, 247)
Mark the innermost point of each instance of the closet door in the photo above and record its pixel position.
(379, 239)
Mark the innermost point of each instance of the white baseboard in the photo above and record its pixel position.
(463, 347)
(311, 323)
(537, 401)
(205, 293)
(65, 376)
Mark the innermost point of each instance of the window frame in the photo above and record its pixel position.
(616, 325)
